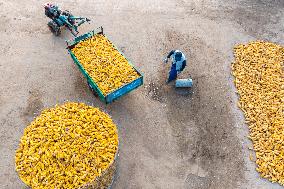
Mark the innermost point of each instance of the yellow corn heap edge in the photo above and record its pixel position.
(66, 147)
(259, 78)
(104, 63)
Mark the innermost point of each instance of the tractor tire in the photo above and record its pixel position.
(54, 28)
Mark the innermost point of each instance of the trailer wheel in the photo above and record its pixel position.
(54, 28)
(93, 91)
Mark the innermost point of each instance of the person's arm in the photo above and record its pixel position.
(171, 53)
(182, 66)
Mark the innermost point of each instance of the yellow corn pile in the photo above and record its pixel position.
(259, 78)
(66, 147)
(106, 66)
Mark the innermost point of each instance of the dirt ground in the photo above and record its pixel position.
(169, 139)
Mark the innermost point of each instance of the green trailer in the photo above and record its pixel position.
(123, 90)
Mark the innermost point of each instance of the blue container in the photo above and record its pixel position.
(118, 92)
(183, 83)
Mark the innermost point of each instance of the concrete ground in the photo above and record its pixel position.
(169, 139)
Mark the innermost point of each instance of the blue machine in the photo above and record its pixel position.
(61, 19)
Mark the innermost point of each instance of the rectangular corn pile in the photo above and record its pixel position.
(108, 68)
(259, 78)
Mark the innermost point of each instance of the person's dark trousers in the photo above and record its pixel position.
(172, 73)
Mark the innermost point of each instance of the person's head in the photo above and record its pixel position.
(178, 56)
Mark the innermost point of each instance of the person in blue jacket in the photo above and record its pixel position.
(178, 64)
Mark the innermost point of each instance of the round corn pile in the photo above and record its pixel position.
(104, 63)
(259, 78)
(69, 146)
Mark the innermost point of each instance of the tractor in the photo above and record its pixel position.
(60, 19)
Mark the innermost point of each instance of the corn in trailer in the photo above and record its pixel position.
(108, 98)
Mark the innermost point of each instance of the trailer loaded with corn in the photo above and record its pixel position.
(109, 73)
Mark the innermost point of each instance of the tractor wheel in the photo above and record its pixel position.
(54, 28)
(93, 91)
